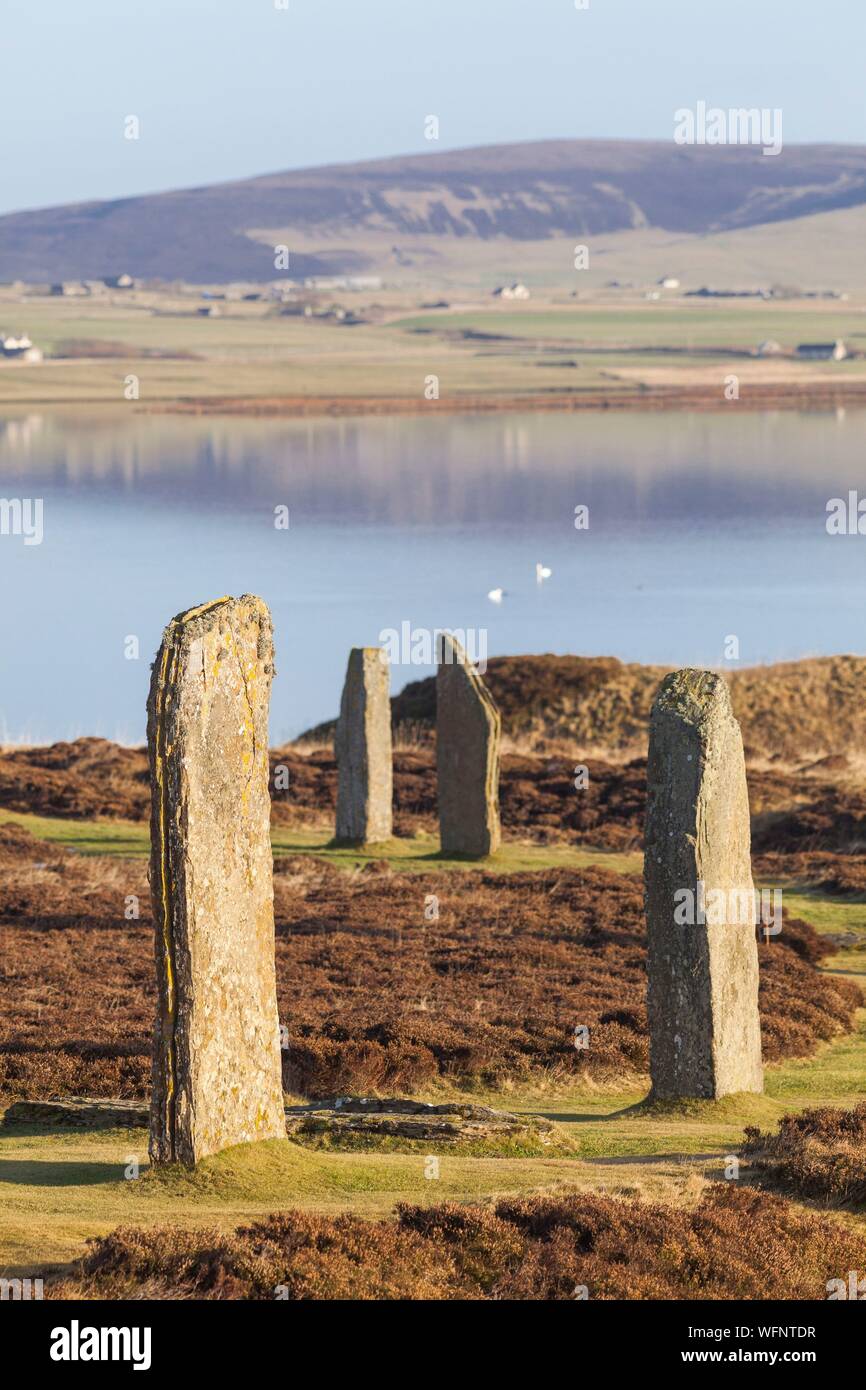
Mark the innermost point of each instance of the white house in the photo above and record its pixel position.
(19, 349)
(515, 291)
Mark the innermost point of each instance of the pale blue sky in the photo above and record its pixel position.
(229, 88)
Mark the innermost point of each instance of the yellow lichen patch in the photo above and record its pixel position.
(162, 748)
(202, 608)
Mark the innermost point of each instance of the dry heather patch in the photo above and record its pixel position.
(87, 778)
(802, 809)
(784, 710)
(842, 875)
(737, 1244)
(537, 796)
(819, 1154)
(793, 811)
(376, 997)
(77, 988)
(373, 995)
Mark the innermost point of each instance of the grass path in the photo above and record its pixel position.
(131, 839)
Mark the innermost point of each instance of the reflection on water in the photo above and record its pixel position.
(701, 526)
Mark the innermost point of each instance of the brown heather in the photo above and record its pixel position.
(784, 710)
(819, 1154)
(738, 1243)
(804, 810)
(373, 996)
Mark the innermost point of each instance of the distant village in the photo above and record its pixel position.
(291, 297)
(310, 298)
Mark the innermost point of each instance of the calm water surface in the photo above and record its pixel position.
(701, 526)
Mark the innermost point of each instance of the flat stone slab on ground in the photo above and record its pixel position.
(408, 1119)
(79, 1112)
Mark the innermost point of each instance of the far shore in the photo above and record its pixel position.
(815, 395)
(399, 354)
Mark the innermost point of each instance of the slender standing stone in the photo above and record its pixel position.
(705, 1036)
(216, 1070)
(363, 749)
(467, 755)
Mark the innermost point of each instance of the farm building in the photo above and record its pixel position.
(517, 291)
(69, 289)
(823, 352)
(19, 349)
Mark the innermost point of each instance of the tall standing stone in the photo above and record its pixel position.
(705, 1037)
(467, 755)
(216, 1071)
(363, 748)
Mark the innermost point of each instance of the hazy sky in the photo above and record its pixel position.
(228, 88)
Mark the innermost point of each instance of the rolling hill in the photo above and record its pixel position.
(369, 216)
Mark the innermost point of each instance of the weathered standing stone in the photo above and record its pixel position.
(363, 748)
(467, 755)
(705, 1037)
(216, 1072)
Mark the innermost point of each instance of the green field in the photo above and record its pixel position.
(686, 324)
(249, 354)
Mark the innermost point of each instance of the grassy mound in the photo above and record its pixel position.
(784, 709)
(736, 1244)
(819, 1153)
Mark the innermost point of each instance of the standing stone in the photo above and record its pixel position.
(705, 1036)
(216, 1071)
(363, 748)
(467, 755)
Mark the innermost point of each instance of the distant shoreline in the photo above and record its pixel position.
(775, 396)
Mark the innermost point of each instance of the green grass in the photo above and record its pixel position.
(131, 839)
(246, 354)
(529, 1144)
(58, 1187)
(632, 326)
(826, 914)
(831, 916)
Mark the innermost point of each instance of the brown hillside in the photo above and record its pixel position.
(793, 710)
(511, 193)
